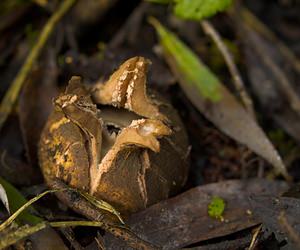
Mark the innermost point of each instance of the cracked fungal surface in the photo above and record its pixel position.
(115, 141)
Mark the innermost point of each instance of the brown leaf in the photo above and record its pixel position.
(47, 239)
(280, 215)
(273, 75)
(183, 220)
(36, 103)
(12, 161)
(11, 167)
(214, 100)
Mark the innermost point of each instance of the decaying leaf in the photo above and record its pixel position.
(35, 102)
(131, 151)
(12, 157)
(280, 215)
(225, 111)
(45, 238)
(183, 220)
(273, 76)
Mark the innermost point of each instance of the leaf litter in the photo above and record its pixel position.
(279, 215)
(28, 223)
(178, 217)
(35, 101)
(214, 100)
(273, 74)
(183, 220)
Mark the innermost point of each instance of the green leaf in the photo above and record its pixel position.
(196, 9)
(199, 9)
(23, 208)
(214, 100)
(17, 200)
(216, 207)
(190, 67)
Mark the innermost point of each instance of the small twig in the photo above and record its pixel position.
(87, 209)
(99, 241)
(239, 85)
(13, 92)
(69, 235)
(251, 25)
(286, 226)
(255, 237)
(261, 28)
(282, 79)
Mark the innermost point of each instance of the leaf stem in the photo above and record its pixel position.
(237, 79)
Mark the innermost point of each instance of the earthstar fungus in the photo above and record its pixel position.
(115, 141)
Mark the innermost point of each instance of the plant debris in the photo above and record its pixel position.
(221, 107)
(167, 124)
(280, 215)
(183, 220)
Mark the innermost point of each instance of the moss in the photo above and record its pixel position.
(216, 208)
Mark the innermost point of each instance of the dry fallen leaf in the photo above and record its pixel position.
(281, 215)
(35, 102)
(183, 220)
(214, 100)
(273, 77)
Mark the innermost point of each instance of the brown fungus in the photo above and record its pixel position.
(131, 152)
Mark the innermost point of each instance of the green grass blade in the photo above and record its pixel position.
(22, 208)
(214, 100)
(189, 65)
(17, 200)
(101, 204)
